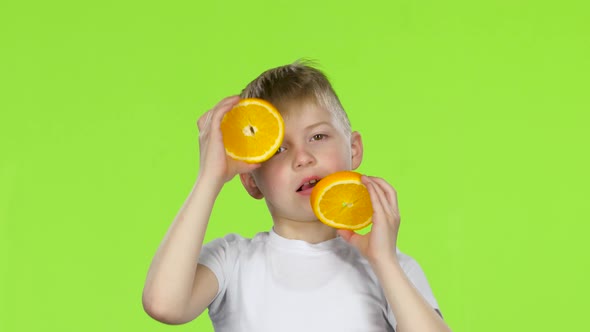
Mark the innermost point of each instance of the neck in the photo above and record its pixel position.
(310, 232)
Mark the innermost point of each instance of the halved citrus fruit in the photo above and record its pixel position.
(252, 131)
(342, 201)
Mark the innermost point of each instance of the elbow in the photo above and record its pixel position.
(160, 311)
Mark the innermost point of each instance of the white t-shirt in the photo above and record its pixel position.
(270, 283)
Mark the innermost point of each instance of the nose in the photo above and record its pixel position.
(303, 158)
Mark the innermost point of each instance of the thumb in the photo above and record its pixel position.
(358, 241)
(345, 234)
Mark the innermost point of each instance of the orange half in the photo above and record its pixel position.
(342, 201)
(252, 131)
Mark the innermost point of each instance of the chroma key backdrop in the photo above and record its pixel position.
(477, 112)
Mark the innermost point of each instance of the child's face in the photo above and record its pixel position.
(314, 147)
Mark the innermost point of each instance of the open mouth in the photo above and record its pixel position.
(308, 184)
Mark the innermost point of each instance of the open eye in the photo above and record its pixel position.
(318, 137)
(280, 149)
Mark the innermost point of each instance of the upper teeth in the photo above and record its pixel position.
(313, 181)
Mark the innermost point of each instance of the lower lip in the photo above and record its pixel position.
(305, 192)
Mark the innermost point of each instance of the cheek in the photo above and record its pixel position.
(269, 176)
(338, 157)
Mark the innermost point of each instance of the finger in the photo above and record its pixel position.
(203, 121)
(390, 193)
(387, 188)
(382, 195)
(227, 100)
(378, 199)
(212, 124)
(223, 107)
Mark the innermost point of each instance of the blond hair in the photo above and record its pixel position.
(298, 82)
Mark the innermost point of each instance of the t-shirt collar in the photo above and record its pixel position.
(285, 243)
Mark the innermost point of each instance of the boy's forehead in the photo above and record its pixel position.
(300, 113)
(305, 112)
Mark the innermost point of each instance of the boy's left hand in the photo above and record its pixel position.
(379, 245)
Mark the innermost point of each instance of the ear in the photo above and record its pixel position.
(250, 185)
(356, 148)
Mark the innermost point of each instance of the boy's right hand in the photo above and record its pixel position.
(214, 163)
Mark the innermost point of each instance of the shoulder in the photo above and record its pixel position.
(410, 266)
(237, 242)
(222, 255)
(416, 275)
(406, 261)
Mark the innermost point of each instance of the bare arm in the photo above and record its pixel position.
(177, 288)
(412, 312)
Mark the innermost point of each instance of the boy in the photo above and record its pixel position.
(301, 275)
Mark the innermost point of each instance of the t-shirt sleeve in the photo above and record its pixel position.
(418, 278)
(416, 275)
(220, 256)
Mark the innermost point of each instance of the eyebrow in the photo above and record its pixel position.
(317, 124)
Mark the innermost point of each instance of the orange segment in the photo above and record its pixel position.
(342, 201)
(252, 131)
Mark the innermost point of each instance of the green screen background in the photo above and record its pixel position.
(475, 111)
